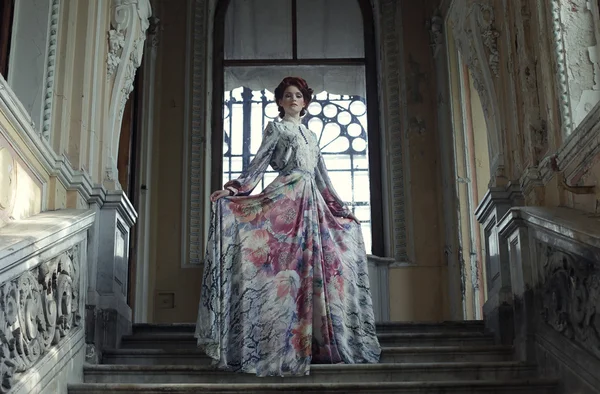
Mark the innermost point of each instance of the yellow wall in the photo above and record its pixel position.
(168, 275)
(21, 176)
(419, 292)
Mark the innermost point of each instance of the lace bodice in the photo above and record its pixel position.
(296, 149)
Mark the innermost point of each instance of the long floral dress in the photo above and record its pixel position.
(285, 277)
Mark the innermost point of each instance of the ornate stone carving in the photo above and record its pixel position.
(153, 31)
(130, 20)
(396, 119)
(197, 151)
(436, 33)
(561, 67)
(37, 310)
(116, 42)
(485, 20)
(570, 296)
(50, 69)
(472, 25)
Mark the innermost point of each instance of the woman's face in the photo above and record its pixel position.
(292, 101)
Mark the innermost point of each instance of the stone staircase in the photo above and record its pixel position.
(417, 358)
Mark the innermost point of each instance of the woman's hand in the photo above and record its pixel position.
(351, 216)
(219, 194)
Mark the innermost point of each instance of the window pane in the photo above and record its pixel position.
(330, 29)
(347, 80)
(258, 29)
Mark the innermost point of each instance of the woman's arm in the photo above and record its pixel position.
(250, 177)
(333, 200)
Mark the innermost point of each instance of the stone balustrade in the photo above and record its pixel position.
(42, 300)
(553, 256)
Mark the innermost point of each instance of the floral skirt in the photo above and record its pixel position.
(285, 284)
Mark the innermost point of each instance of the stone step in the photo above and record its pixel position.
(446, 326)
(388, 355)
(187, 341)
(324, 373)
(538, 386)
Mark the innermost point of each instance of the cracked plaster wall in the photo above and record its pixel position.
(580, 41)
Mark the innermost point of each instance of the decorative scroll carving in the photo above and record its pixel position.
(130, 20)
(50, 69)
(485, 21)
(570, 296)
(37, 310)
(561, 67)
(476, 38)
(436, 33)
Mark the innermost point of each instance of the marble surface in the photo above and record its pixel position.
(25, 244)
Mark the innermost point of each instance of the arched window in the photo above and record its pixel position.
(330, 44)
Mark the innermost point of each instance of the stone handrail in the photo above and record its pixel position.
(42, 297)
(553, 256)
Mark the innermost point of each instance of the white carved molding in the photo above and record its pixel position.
(476, 37)
(129, 22)
(144, 180)
(52, 163)
(379, 282)
(195, 181)
(561, 67)
(577, 154)
(50, 69)
(394, 122)
(436, 34)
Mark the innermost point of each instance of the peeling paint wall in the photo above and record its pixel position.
(579, 21)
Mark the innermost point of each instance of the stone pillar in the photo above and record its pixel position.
(513, 232)
(446, 145)
(108, 316)
(498, 309)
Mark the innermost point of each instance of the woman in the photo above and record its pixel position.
(285, 278)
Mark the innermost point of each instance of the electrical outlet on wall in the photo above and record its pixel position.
(165, 300)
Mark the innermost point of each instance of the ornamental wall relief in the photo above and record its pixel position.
(129, 23)
(37, 310)
(570, 296)
(473, 28)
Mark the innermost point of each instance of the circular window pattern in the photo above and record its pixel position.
(330, 110)
(314, 108)
(316, 125)
(340, 144)
(331, 131)
(359, 145)
(344, 118)
(354, 130)
(358, 108)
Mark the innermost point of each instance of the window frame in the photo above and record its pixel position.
(372, 96)
(7, 12)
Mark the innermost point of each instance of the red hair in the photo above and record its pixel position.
(302, 87)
